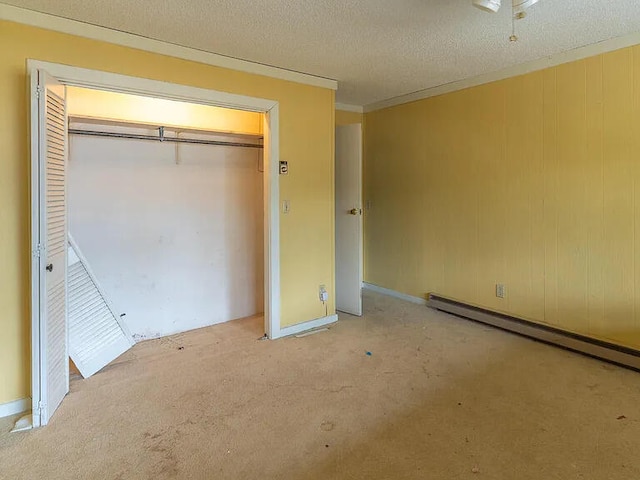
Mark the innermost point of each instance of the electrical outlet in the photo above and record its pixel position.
(323, 294)
(501, 291)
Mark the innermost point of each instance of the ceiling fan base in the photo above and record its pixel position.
(491, 6)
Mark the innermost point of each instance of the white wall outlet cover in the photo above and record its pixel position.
(324, 295)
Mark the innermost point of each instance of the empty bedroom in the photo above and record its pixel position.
(317, 239)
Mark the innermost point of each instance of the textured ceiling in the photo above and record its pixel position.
(376, 49)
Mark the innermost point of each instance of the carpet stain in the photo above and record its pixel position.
(163, 444)
(327, 426)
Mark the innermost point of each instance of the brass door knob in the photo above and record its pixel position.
(355, 211)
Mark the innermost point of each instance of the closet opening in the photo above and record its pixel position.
(165, 219)
(154, 210)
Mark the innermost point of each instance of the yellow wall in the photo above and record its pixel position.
(346, 118)
(89, 103)
(306, 141)
(533, 182)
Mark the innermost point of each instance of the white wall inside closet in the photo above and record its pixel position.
(176, 245)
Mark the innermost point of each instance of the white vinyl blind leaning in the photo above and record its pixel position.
(97, 335)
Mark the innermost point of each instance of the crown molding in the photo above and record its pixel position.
(94, 32)
(346, 107)
(521, 69)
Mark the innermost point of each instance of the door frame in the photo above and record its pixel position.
(82, 77)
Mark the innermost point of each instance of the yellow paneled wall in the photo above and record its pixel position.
(533, 182)
(346, 118)
(306, 142)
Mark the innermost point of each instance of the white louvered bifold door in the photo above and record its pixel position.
(96, 334)
(54, 357)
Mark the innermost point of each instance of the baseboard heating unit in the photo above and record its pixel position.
(625, 357)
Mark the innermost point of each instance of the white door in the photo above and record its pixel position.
(50, 246)
(349, 256)
(97, 335)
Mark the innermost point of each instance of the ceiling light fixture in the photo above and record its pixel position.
(492, 6)
(518, 8)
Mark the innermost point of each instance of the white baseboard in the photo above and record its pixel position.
(310, 325)
(393, 293)
(15, 407)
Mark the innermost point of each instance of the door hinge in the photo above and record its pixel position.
(41, 407)
(39, 250)
(39, 91)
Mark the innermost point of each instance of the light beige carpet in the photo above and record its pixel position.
(438, 398)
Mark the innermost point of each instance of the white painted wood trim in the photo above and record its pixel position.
(15, 407)
(94, 32)
(272, 213)
(121, 83)
(346, 107)
(83, 77)
(513, 71)
(306, 326)
(114, 82)
(393, 293)
(35, 241)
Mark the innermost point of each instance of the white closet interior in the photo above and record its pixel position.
(173, 232)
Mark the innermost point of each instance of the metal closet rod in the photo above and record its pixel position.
(161, 138)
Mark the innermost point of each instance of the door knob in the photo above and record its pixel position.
(49, 267)
(355, 211)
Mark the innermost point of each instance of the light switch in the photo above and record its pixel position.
(285, 206)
